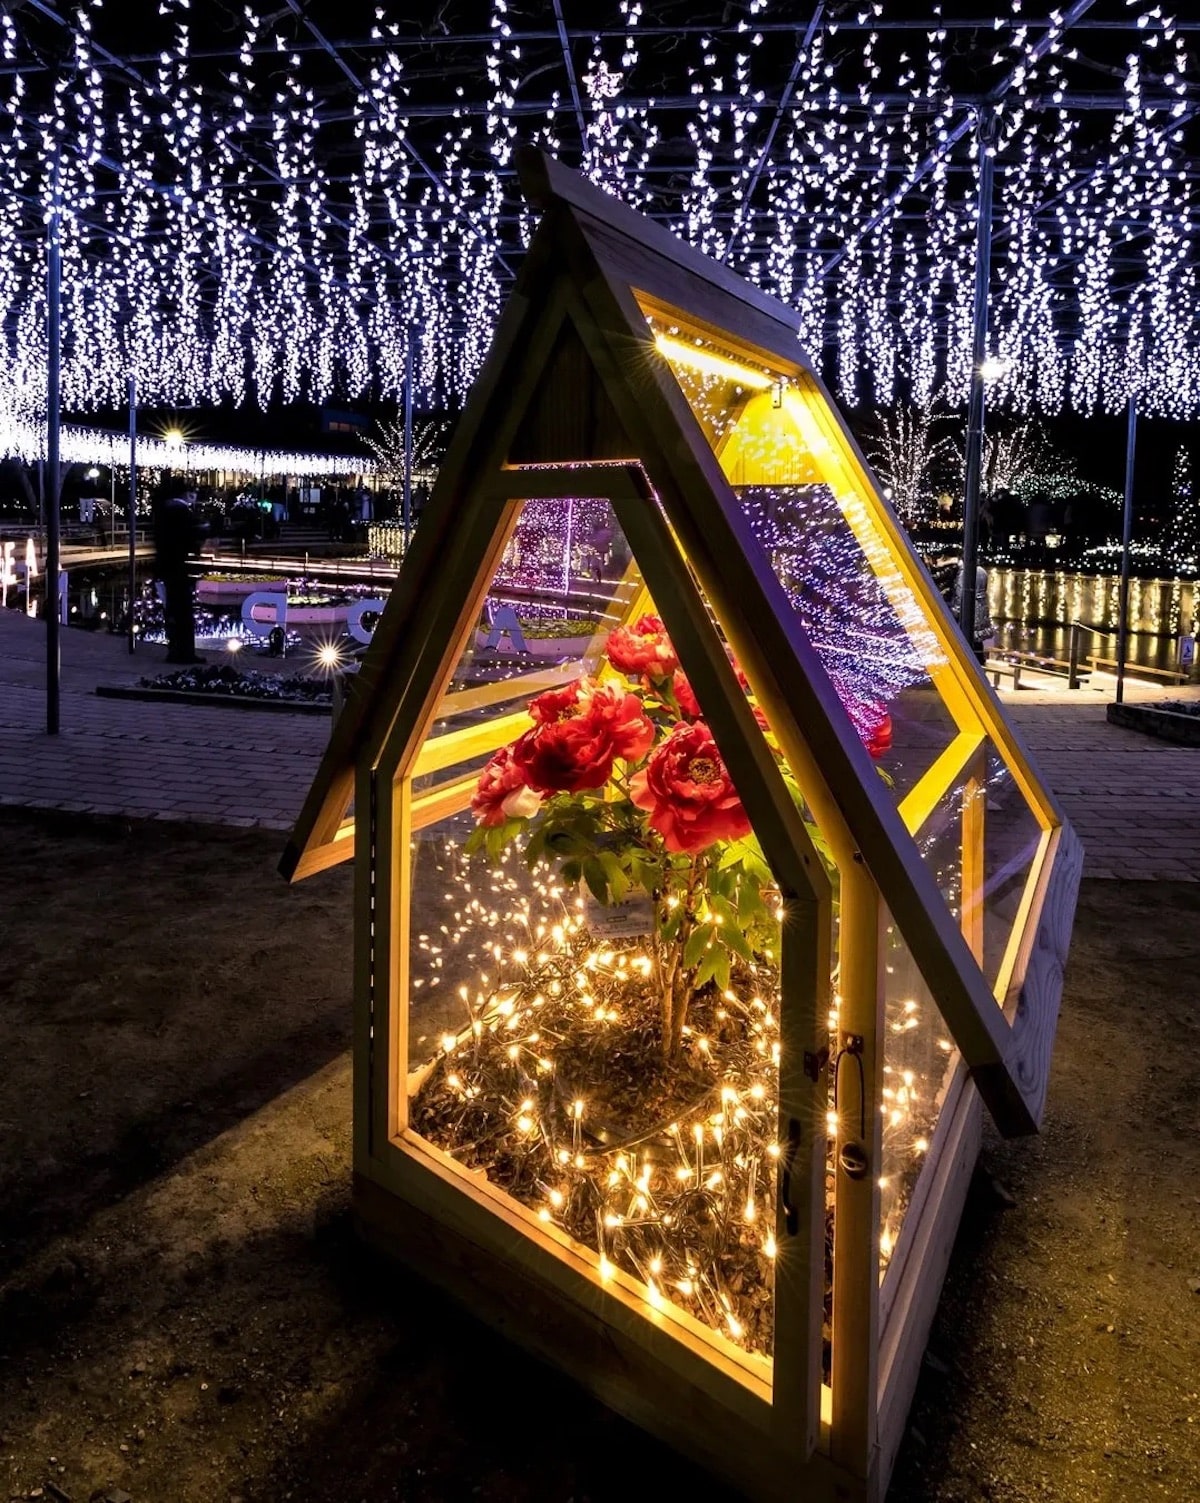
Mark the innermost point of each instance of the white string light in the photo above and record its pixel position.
(281, 223)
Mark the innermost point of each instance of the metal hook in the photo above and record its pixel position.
(853, 1044)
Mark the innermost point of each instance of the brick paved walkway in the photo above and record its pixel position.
(1135, 801)
(115, 756)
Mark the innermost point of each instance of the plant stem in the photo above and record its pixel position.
(673, 978)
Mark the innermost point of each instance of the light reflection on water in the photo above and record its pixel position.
(1033, 612)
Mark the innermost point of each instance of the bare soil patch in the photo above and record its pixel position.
(185, 1314)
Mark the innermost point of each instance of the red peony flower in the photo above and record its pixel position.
(502, 792)
(641, 648)
(557, 704)
(687, 790)
(579, 731)
(624, 717)
(685, 695)
(878, 740)
(565, 758)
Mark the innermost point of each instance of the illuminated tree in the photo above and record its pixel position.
(1182, 548)
(1012, 454)
(911, 454)
(387, 445)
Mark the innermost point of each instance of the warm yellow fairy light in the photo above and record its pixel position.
(709, 363)
(769, 1245)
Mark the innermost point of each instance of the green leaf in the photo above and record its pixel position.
(721, 969)
(647, 874)
(593, 875)
(750, 905)
(758, 868)
(733, 939)
(571, 872)
(617, 879)
(669, 928)
(697, 942)
(723, 908)
(706, 971)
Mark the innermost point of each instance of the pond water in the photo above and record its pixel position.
(1033, 611)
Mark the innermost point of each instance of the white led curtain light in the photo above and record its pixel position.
(272, 211)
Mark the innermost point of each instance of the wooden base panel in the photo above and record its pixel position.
(600, 1358)
(913, 1303)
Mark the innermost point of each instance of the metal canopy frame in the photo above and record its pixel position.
(554, 51)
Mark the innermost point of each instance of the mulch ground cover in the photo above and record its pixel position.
(186, 1317)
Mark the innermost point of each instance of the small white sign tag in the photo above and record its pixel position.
(631, 917)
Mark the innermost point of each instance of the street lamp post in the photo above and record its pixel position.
(53, 438)
(408, 426)
(132, 506)
(1126, 543)
(979, 373)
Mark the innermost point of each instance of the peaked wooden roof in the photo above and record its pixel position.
(578, 315)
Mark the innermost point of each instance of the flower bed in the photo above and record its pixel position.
(220, 683)
(1173, 720)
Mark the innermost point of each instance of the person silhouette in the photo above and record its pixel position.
(177, 536)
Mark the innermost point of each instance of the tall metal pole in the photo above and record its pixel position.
(132, 506)
(979, 334)
(53, 424)
(1126, 540)
(408, 417)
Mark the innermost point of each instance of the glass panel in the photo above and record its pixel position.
(939, 841)
(563, 582)
(870, 639)
(593, 973)
(809, 505)
(1012, 837)
(918, 1062)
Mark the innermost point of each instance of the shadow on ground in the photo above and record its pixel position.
(187, 1315)
(161, 982)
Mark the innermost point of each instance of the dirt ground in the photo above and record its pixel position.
(185, 1316)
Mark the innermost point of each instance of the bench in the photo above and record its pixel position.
(1003, 668)
(1169, 675)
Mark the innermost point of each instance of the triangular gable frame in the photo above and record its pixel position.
(584, 244)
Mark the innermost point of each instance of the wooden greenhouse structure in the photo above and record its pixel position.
(751, 1274)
